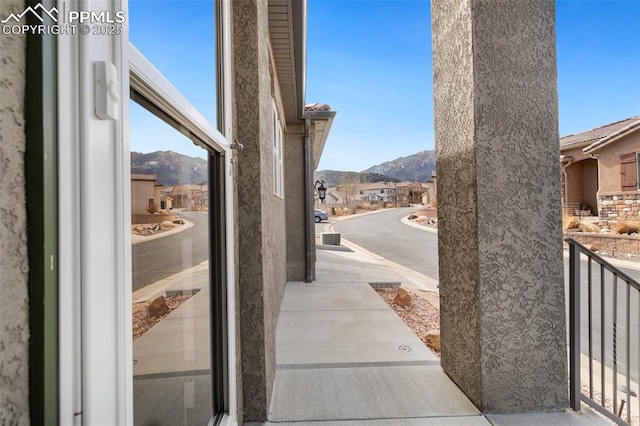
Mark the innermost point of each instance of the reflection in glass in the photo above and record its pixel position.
(178, 38)
(171, 302)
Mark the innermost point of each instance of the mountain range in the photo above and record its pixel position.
(172, 168)
(415, 168)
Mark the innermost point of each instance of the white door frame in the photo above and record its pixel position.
(94, 194)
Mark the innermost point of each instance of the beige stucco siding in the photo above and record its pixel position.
(295, 202)
(141, 192)
(609, 161)
(260, 214)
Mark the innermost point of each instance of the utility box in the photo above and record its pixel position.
(330, 238)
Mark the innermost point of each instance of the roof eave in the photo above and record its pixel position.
(288, 35)
(575, 146)
(612, 138)
(323, 121)
(300, 50)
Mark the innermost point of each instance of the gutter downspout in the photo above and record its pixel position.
(309, 243)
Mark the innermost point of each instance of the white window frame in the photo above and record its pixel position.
(278, 163)
(95, 359)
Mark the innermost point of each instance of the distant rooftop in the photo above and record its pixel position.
(592, 136)
(143, 177)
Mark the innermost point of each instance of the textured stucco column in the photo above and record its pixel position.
(14, 311)
(500, 247)
(260, 232)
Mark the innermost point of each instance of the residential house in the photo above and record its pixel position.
(191, 196)
(78, 352)
(430, 195)
(600, 171)
(409, 192)
(145, 194)
(376, 192)
(68, 355)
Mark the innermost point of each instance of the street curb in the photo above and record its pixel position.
(143, 239)
(332, 248)
(405, 220)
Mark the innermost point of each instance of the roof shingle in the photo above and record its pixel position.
(594, 135)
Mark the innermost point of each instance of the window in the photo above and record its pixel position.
(107, 377)
(629, 171)
(278, 172)
(179, 280)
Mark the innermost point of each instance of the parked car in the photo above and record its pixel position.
(320, 216)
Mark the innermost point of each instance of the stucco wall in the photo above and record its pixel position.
(609, 162)
(501, 272)
(622, 245)
(141, 192)
(261, 233)
(14, 322)
(295, 199)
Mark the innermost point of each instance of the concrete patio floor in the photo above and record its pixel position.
(345, 358)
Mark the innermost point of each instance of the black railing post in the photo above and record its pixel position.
(574, 327)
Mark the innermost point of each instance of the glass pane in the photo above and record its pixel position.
(178, 38)
(171, 277)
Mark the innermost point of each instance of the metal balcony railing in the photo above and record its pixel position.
(604, 309)
(572, 209)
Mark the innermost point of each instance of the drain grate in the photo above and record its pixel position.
(187, 292)
(385, 284)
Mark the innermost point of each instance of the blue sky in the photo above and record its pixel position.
(371, 61)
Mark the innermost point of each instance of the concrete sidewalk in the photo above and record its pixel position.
(345, 358)
(344, 355)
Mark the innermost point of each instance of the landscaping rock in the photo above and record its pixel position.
(403, 298)
(158, 307)
(432, 339)
(167, 225)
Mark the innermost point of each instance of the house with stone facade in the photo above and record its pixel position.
(71, 276)
(600, 171)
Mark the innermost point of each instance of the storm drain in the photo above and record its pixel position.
(385, 284)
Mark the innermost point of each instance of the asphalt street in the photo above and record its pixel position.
(383, 234)
(162, 257)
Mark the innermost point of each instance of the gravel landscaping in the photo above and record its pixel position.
(143, 322)
(421, 316)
